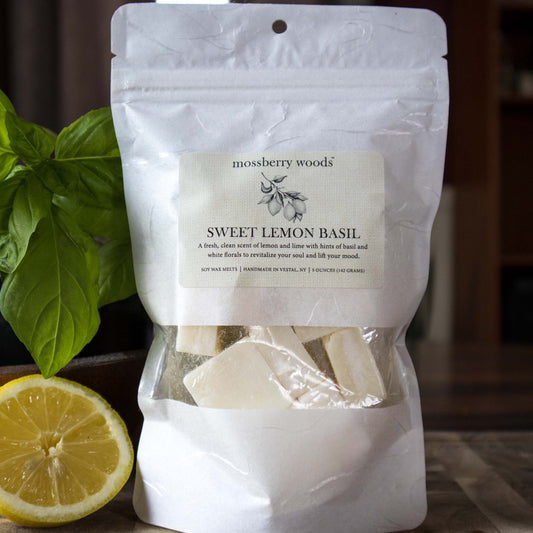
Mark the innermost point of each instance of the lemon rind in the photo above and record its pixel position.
(27, 514)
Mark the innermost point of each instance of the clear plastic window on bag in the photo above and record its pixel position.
(280, 367)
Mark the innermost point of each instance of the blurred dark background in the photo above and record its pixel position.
(472, 340)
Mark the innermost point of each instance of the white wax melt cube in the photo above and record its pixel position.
(310, 333)
(237, 378)
(354, 367)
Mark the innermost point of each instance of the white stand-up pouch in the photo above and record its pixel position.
(282, 168)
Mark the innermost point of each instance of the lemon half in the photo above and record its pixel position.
(64, 452)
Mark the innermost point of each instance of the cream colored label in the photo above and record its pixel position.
(306, 219)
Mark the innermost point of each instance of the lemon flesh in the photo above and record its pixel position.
(64, 452)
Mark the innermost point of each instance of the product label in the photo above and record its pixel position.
(305, 219)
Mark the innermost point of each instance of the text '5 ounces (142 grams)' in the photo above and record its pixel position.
(282, 166)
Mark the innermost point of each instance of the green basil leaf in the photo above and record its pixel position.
(8, 190)
(8, 158)
(51, 299)
(5, 103)
(50, 178)
(86, 175)
(30, 202)
(8, 252)
(89, 136)
(87, 159)
(30, 142)
(95, 181)
(99, 221)
(116, 279)
(89, 181)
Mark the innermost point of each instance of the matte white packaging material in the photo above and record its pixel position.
(273, 471)
(197, 86)
(217, 79)
(257, 471)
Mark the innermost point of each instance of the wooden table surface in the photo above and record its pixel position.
(478, 482)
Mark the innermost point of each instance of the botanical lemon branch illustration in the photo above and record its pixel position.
(277, 198)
